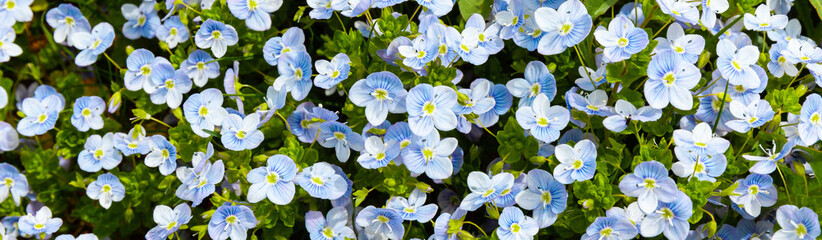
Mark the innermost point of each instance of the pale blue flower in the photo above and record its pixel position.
(669, 81)
(305, 121)
(430, 156)
(633, 11)
(538, 79)
(754, 115)
(766, 165)
(754, 192)
(199, 180)
(485, 189)
(710, 8)
(333, 227)
(231, 221)
(802, 51)
(443, 35)
(380, 223)
(488, 36)
(589, 79)
(168, 220)
(682, 11)
(140, 64)
(168, 85)
(332, 73)
(564, 27)
(593, 104)
(204, 110)
(41, 115)
(528, 35)
(39, 223)
(626, 112)
(621, 39)
(779, 64)
(66, 19)
(295, 74)
(632, 213)
(502, 103)
(438, 7)
(291, 41)
(735, 63)
(217, 36)
(321, 181)
(14, 183)
(686, 47)
(750, 230)
(615, 228)
(13, 11)
(134, 142)
(354, 8)
(140, 21)
(797, 223)
(650, 184)
(378, 154)
(163, 155)
(511, 16)
(92, 44)
(429, 108)
(99, 153)
(443, 227)
(86, 114)
(256, 13)
(670, 219)
(514, 225)
(543, 120)
(274, 181)
(9, 140)
(701, 167)
(380, 93)
(792, 30)
(87, 236)
(763, 21)
(322, 9)
(466, 44)
(478, 99)
(413, 208)
(546, 196)
(421, 51)
(340, 137)
(200, 68)
(107, 189)
(241, 133)
(173, 32)
(577, 163)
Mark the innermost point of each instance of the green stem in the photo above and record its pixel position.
(115, 63)
(478, 227)
(785, 183)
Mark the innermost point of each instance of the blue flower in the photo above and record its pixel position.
(200, 68)
(140, 21)
(14, 183)
(754, 115)
(379, 93)
(99, 153)
(435, 31)
(593, 104)
(39, 223)
(779, 64)
(466, 44)
(421, 51)
(537, 80)
(204, 110)
(168, 85)
(763, 21)
(749, 230)
(682, 11)
(66, 19)
(589, 79)
(796, 223)
(273, 181)
(92, 44)
(754, 192)
(381, 223)
(291, 41)
(700, 140)
(305, 121)
(669, 81)
(132, 143)
(766, 165)
(810, 120)
(87, 236)
(256, 13)
(173, 32)
(671, 218)
(626, 112)
(577, 163)
(15, 11)
(106, 188)
(430, 156)
(514, 225)
(41, 115)
(621, 39)
(528, 35)
(322, 9)
(735, 63)
(633, 11)
(340, 137)
(546, 196)
(802, 51)
(378, 154)
(231, 221)
(686, 47)
(240, 133)
(444, 228)
(413, 208)
(354, 8)
(617, 228)
(543, 120)
(198, 181)
(217, 36)
(564, 27)
(295, 74)
(430, 107)
(502, 103)
(8, 137)
(485, 189)
(321, 181)
(168, 220)
(650, 184)
(438, 7)
(86, 114)
(335, 226)
(163, 154)
(704, 168)
(141, 64)
(476, 99)
(710, 9)
(333, 72)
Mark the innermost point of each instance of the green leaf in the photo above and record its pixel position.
(598, 7)
(470, 7)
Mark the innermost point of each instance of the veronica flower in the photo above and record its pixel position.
(106, 188)
(753, 115)
(670, 218)
(766, 165)
(8, 48)
(379, 93)
(577, 163)
(430, 156)
(87, 112)
(669, 81)
(413, 208)
(430, 107)
(340, 137)
(538, 79)
(291, 41)
(763, 21)
(802, 51)
(99, 153)
(273, 181)
(321, 9)
(14, 183)
(231, 221)
(140, 65)
(632, 213)
(593, 104)
(626, 112)
(438, 7)
(39, 223)
(254, 12)
(134, 142)
(650, 184)
(200, 68)
(466, 44)
(810, 120)
(528, 35)
(543, 120)
(140, 21)
(621, 39)
(217, 36)
(334, 226)
(204, 110)
(681, 10)
(485, 189)
(320, 181)
(735, 63)
(710, 8)
(686, 47)
(796, 223)
(502, 103)
(173, 32)
(779, 64)
(754, 192)
(546, 196)
(305, 121)
(749, 230)
(87, 236)
(616, 228)
(704, 168)
(295, 74)
(198, 182)
(168, 220)
(378, 154)
(355, 8)
(380, 223)
(701, 140)
(240, 133)
(163, 154)
(40, 115)
(66, 19)
(15, 11)
(564, 27)
(333, 72)
(793, 29)
(92, 44)
(477, 99)
(8, 137)
(421, 51)
(514, 225)
(589, 79)
(168, 85)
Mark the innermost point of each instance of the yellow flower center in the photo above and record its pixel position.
(169, 83)
(606, 232)
(203, 111)
(565, 28)
(382, 218)
(649, 183)
(380, 156)
(298, 73)
(9, 182)
(421, 54)
(577, 164)
(69, 20)
(679, 49)
(86, 112)
(165, 153)
(335, 74)
(515, 228)
(815, 118)
(427, 153)
(98, 153)
(380, 94)
(272, 178)
(231, 219)
(622, 42)
(736, 65)
(216, 34)
(145, 70)
(200, 65)
(240, 134)
(700, 144)
(317, 181)
(542, 122)
(753, 189)
(42, 118)
(429, 108)
(546, 197)
(172, 31)
(171, 225)
(669, 79)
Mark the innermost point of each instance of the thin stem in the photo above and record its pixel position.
(721, 106)
(486, 129)
(581, 61)
(315, 139)
(797, 74)
(341, 23)
(115, 63)
(784, 183)
(414, 14)
(191, 8)
(160, 122)
(478, 227)
(284, 121)
(709, 214)
(660, 29)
